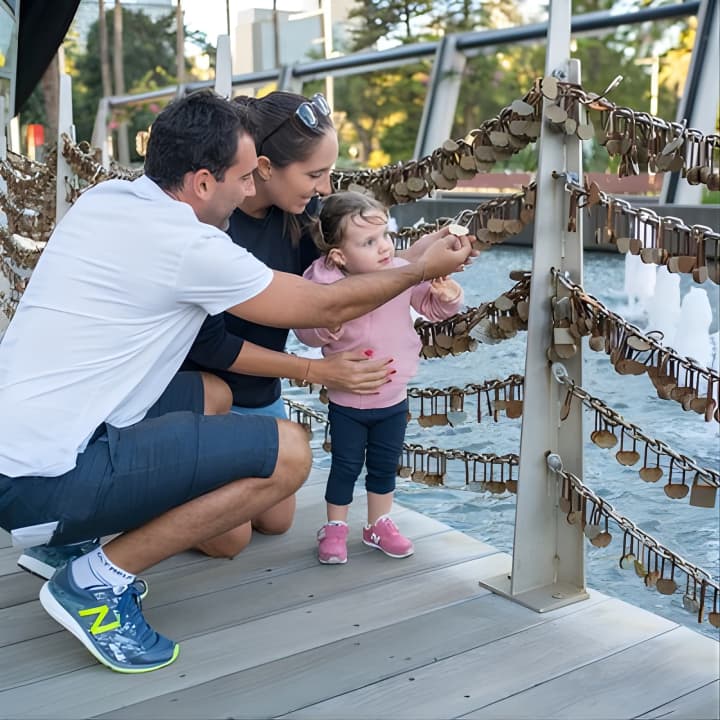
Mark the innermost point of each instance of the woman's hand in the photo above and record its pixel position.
(353, 371)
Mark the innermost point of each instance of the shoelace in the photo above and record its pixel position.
(129, 609)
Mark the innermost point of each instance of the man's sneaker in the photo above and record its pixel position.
(109, 624)
(385, 536)
(43, 560)
(332, 544)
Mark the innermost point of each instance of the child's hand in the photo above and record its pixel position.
(445, 289)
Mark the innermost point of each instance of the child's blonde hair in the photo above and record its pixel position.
(338, 210)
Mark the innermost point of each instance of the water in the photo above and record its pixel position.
(692, 532)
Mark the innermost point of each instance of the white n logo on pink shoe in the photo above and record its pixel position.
(375, 538)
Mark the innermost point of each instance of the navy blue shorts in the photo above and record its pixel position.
(128, 476)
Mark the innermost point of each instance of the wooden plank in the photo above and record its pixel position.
(271, 558)
(470, 680)
(700, 704)
(622, 685)
(237, 600)
(266, 553)
(20, 587)
(92, 690)
(364, 659)
(8, 561)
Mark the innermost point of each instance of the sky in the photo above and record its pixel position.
(210, 16)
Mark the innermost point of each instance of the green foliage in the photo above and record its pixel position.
(388, 19)
(710, 197)
(34, 109)
(149, 63)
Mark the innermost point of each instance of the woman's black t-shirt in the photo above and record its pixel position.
(221, 336)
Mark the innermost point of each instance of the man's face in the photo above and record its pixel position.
(225, 195)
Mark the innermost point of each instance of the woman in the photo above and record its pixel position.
(297, 147)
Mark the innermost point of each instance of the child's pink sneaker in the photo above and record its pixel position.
(332, 544)
(385, 536)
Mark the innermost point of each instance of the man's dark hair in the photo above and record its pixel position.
(198, 131)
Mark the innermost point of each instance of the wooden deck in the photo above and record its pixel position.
(272, 633)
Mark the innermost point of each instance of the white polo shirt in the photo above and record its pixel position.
(111, 309)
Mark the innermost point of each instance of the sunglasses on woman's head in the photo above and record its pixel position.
(307, 113)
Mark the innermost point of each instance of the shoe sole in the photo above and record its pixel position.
(332, 561)
(61, 616)
(389, 554)
(36, 567)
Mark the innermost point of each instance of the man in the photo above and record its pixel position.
(96, 438)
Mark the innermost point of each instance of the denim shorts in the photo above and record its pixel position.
(275, 409)
(128, 476)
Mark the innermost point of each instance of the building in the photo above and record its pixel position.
(299, 34)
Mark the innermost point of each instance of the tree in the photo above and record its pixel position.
(123, 149)
(148, 51)
(388, 19)
(103, 45)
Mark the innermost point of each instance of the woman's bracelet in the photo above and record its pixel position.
(304, 380)
(306, 377)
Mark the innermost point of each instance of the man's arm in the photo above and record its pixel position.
(290, 301)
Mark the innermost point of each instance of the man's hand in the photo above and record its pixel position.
(415, 252)
(446, 254)
(353, 371)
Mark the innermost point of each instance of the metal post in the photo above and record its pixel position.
(223, 67)
(14, 135)
(548, 554)
(699, 103)
(100, 137)
(288, 81)
(3, 136)
(65, 125)
(441, 98)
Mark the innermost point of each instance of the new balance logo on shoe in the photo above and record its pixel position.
(101, 611)
(375, 538)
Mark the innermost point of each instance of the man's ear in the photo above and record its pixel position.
(264, 168)
(202, 182)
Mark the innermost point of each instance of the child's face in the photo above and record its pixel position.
(366, 246)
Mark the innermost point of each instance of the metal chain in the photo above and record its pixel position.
(708, 475)
(574, 490)
(655, 238)
(592, 308)
(414, 449)
(517, 124)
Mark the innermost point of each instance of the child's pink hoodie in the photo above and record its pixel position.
(388, 331)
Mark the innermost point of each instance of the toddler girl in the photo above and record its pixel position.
(352, 237)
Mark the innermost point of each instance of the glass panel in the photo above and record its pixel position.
(7, 27)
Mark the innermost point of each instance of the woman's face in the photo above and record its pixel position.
(292, 187)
